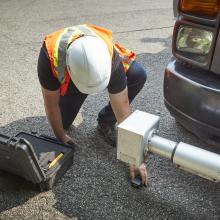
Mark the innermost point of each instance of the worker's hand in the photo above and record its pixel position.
(141, 171)
(67, 140)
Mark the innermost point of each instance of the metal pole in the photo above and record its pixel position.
(161, 146)
(188, 157)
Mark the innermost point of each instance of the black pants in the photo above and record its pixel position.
(71, 103)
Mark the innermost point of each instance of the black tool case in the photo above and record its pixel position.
(31, 156)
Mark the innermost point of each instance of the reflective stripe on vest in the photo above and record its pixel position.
(67, 37)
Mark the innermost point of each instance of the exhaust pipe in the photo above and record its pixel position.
(137, 137)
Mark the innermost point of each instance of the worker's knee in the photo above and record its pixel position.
(142, 76)
(136, 74)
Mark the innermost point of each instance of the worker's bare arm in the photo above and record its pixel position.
(51, 103)
(121, 107)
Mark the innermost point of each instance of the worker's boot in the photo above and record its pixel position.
(108, 131)
(107, 125)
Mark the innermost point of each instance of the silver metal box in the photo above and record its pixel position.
(133, 134)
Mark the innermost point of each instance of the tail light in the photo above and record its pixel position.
(203, 8)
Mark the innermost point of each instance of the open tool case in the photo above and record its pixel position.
(37, 158)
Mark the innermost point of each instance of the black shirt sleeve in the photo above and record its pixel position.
(118, 80)
(45, 75)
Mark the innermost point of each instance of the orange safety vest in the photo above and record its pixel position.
(58, 42)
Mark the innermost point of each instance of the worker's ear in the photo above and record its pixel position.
(120, 105)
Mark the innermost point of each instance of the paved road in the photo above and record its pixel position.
(96, 186)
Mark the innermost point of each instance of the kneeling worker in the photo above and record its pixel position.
(82, 60)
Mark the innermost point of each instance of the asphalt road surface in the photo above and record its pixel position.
(97, 185)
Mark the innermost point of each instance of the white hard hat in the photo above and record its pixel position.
(89, 64)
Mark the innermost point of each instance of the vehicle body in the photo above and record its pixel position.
(192, 77)
(175, 8)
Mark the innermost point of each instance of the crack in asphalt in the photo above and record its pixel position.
(144, 29)
(117, 32)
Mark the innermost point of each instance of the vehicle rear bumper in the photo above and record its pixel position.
(193, 98)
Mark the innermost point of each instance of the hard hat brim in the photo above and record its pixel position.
(91, 90)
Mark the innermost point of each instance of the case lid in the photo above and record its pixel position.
(17, 156)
